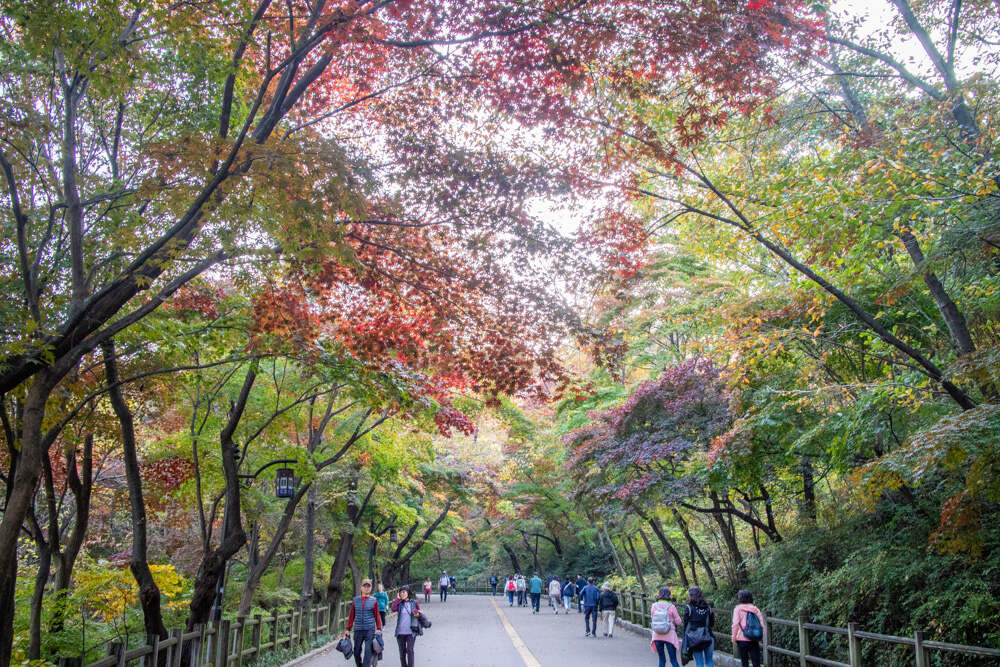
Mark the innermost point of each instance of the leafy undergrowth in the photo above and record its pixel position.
(877, 570)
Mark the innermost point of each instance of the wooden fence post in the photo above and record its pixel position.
(803, 643)
(241, 623)
(116, 649)
(920, 650)
(274, 630)
(153, 659)
(198, 651)
(258, 620)
(222, 644)
(853, 646)
(177, 650)
(765, 642)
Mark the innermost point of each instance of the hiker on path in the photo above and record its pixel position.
(697, 616)
(535, 588)
(428, 589)
(607, 605)
(568, 591)
(406, 609)
(555, 595)
(443, 584)
(581, 583)
(589, 596)
(383, 602)
(749, 629)
(365, 622)
(493, 584)
(666, 623)
(510, 588)
(522, 587)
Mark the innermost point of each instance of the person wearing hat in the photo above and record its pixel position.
(365, 621)
(406, 609)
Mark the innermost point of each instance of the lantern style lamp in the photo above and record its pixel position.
(284, 483)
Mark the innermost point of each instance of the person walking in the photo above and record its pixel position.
(698, 618)
(749, 629)
(493, 585)
(589, 596)
(383, 602)
(365, 621)
(522, 586)
(607, 605)
(535, 588)
(443, 584)
(568, 591)
(555, 595)
(511, 589)
(428, 589)
(406, 610)
(581, 583)
(665, 623)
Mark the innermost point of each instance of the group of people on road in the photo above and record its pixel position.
(675, 638)
(367, 616)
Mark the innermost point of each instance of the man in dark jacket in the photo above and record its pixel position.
(580, 584)
(493, 584)
(365, 621)
(607, 605)
(590, 595)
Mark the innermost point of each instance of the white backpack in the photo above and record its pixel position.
(661, 624)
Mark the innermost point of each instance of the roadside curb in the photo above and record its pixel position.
(312, 654)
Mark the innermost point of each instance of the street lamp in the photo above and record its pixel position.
(284, 487)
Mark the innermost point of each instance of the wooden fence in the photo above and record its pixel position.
(234, 643)
(846, 643)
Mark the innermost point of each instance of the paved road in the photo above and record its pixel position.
(472, 631)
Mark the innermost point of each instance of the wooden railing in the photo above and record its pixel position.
(236, 642)
(845, 643)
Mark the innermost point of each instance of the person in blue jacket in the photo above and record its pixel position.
(535, 588)
(580, 583)
(590, 595)
(568, 591)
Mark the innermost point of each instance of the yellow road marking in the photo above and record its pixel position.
(522, 648)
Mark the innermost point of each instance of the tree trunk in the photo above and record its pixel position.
(658, 562)
(37, 598)
(678, 561)
(694, 547)
(729, 539)
(808, 489)
(214, 561)
(634, 557)
(149, 592)
(514, 563)
(310, 545)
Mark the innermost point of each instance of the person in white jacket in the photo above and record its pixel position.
(555, 595)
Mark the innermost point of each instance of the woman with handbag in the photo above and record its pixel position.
(698, 618)
(407, 625)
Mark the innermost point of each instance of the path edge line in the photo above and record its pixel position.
(522, 649)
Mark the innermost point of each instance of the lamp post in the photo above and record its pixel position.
(284, 487)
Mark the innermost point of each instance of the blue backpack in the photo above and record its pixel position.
(752, 629)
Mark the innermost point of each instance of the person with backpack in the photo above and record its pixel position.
(493, 584)
(443, 584)
(535, 588)
(511, 589)
(521, 587)
(407, 611)
(568, 591)
(607, 605)
(365, 621)
(665, 624)
(589, 596)
(749, 629)
(555, 595)
(698, 618)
